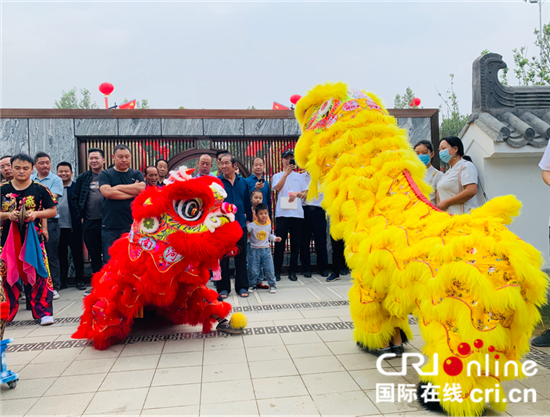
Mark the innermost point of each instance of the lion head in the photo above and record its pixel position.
(187, 218)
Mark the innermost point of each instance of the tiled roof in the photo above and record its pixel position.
(518, 116)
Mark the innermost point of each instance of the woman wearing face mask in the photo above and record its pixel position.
(457, 189)
(425, 152)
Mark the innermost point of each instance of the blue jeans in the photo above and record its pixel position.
(261, 259)
(108, 237)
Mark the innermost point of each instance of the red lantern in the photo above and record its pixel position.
(294, 99)
(417, 101)
(106, 89)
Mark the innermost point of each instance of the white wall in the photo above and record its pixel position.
(523, 178)
(504, 170)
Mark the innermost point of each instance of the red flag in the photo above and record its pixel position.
(128, 105)
(277, 106)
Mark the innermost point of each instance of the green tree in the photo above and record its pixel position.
(452, 122)
(251, 108)
(70, 100)
(404, 101)
(181, 107)
(536, 69)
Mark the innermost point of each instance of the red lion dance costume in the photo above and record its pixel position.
(180, 231)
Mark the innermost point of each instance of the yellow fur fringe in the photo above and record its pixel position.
(466, 277)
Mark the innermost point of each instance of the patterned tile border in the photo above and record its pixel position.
(263, 307)
(538, 356)
(290, 306)
(36, 322)
(541, 358)
(250, 331)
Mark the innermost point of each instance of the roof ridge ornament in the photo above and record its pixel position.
(490, 95)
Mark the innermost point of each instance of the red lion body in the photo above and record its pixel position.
(180, 231)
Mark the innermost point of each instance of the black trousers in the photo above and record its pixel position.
(315, 223)
(91, 230)
(284, 225)
(52, 249)
(241, 278)
(70, 238)
(338, 259)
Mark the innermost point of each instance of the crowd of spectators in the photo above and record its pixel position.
(95, 209)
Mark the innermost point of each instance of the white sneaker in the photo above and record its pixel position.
(252, 289)
(56, 295)
(46, 320)
(272, 290)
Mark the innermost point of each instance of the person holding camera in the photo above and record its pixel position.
(289, 214)
(258, 182)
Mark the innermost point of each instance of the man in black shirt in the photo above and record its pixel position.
(119, 185)
(36, 199)
(88, 202)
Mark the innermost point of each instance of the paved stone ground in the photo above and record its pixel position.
(298, 358)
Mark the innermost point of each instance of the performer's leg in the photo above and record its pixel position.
(41, 296)
(63, 251)
(12, 295)
(295, 239)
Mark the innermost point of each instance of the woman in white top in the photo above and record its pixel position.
(425, 152)
(456, 191)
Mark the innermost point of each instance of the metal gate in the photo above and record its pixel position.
(183, 150)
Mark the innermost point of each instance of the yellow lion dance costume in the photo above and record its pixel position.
(474, 285)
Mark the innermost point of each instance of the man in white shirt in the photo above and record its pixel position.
(544, 339)
(289, 214)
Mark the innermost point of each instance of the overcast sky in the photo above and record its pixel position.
(234, 55)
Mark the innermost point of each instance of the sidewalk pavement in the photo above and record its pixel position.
(297, 358)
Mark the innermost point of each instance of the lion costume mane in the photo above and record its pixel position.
(180, 231)
(473, 284)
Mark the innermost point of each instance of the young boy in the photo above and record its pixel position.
(256, 197)
(261, 234)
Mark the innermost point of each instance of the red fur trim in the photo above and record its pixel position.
(124, 286)
(418, 193)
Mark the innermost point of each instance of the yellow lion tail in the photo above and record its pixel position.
(502, 209)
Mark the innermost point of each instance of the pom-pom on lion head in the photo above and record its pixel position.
(189, 215)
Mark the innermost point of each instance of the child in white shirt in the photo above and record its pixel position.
(260, 233)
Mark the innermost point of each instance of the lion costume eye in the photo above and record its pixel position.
(149, 225)
(189, 210)
(325, 107)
